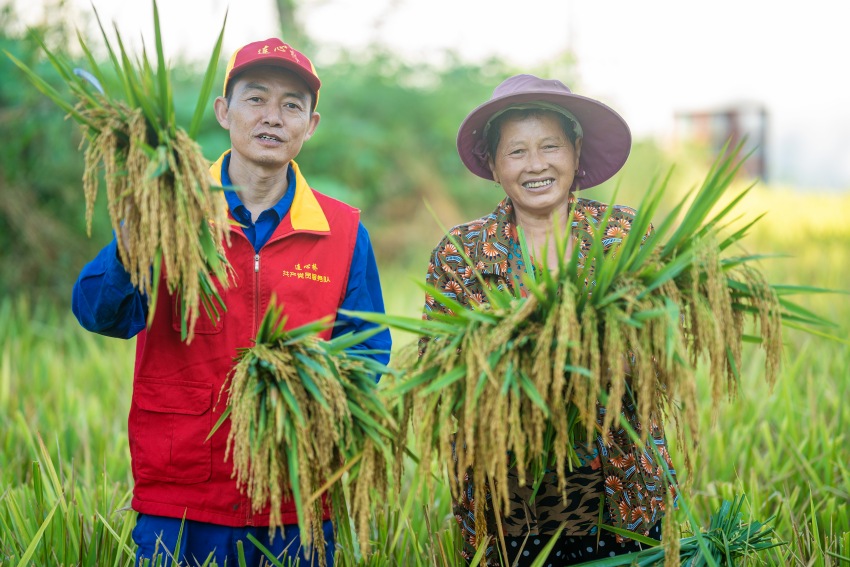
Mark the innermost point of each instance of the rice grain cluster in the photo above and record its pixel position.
(303, 413)
(517, 381)
(731, 539)
(167, 217)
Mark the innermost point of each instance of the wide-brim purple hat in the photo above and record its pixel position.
(606, 141)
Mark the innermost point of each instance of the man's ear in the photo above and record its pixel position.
(221, 107)
(315, 117)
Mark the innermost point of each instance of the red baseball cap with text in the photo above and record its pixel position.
(274, 52)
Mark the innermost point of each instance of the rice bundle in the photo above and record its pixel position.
(516, 381)
(161, 204)
(303, 412)
(727, 542)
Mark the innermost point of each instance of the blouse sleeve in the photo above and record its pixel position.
(446, 267)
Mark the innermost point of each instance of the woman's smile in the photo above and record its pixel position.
(539, 185)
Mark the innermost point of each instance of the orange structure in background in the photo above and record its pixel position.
(732, 123)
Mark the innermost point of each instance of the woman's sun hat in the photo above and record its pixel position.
(606, 139)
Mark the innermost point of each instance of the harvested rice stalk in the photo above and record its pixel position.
(516, 381)
(161, 204)
(728, 541)
(303, 412)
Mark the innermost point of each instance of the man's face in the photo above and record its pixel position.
(268, 117)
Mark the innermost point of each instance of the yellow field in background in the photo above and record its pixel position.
(808, 232)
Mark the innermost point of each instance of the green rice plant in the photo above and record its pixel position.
(785, 446)
(730, 539)
(408, 528)
(49, 370)
(167, 217)
(58, 379)
(516, 380)
(304, 412)
(51, 522)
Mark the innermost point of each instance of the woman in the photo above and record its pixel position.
(541, 143)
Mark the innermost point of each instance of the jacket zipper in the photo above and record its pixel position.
(246, 505)
(256, 292)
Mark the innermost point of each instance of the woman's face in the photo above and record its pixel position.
(535, 163)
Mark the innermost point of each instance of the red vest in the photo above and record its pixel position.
(176, 385)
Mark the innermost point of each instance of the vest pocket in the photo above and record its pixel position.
(204, 324)
(168, 425)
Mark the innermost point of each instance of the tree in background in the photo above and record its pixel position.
(386, 144)
(291, 29)
(41, 206)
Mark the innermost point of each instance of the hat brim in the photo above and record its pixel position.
(605, 146)
(312, 81)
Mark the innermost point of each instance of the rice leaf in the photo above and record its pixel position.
(207, 83)
(303, 412)
(659, 300)
(46, 89)
(166, 110)
(156, 177)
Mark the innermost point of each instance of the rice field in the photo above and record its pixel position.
(64, 397)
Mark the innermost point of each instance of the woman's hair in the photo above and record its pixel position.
(494, 134)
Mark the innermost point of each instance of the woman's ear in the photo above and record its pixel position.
(492, 167)
(578, 150)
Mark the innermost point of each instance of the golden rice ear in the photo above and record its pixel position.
(663, 299)
(304, 414)
(671, 532)
(531, 376)
(156, 178)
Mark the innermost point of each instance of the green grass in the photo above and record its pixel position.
(786, 449)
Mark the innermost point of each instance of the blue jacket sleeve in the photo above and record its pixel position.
(364, 294)
(105, 301)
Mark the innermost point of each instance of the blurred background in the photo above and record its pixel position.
(398, 78)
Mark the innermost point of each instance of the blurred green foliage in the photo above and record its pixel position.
(386, 144)
(40, 218)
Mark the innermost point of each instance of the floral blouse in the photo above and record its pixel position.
(627, 478)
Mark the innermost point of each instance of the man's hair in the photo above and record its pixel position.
(494, 135)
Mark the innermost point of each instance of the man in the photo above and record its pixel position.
(307, 249)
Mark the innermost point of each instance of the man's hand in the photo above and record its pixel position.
(123, 237)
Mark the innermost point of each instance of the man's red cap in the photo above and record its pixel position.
(275, 52)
